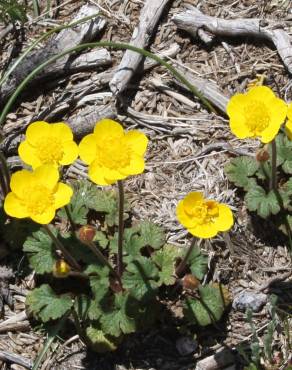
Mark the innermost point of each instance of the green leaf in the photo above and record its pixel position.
(152, 235)
(120, 318)
(132, 242)
(46, 305)
(165, 258)
(240, 169)
(77, 207)
(264, 204)
(100, 342)
(198, 263)
(81, 306)
(284, 153)
(141, 278)
(264, 171)
(207, 309)
(105, 202)
(41, 252)
(101, 239)
(99, 280)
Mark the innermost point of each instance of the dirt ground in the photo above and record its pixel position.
(188, 150)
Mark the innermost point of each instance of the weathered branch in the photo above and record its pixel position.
(149, 18)
(193, 21)
(66, 39)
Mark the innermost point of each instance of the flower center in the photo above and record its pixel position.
(38, 199)
(114, 154)
(204, 211)
(50, 150)
(257, 118)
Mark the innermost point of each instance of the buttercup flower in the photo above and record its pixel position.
(288, 126)
(111, 153)
(258, 113)
(37, 194)
(48, 144)
(203, 218)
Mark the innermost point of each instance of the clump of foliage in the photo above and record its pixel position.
(12, 11)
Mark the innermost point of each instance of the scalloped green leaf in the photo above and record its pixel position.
(41, 252)
(240, 169)
(132, 242)
(165, 259)
(151, 234)
(206, 309)
(100, 342)
(198, 263)
(284, 153)
(99, 280)
(261, 202)
(120, 317)
(46, 305)
(141, 278)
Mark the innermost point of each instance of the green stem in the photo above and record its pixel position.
(121, 227)
(68, 213)
(180, 268)
(5, 182)
(114, 45)
(273, 179)
(70, 259)
(101, 258)
(79, 329)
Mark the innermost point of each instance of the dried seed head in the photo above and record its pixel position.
(263, 154)
(61, 269)
(189, 281)
(86, 233)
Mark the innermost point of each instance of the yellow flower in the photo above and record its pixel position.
(288, 126)
(48, 144)
(111, 153)
(258, 113)
(36, 194)
(203, 218)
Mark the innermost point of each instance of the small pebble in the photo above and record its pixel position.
(186, 346)
(247, 299)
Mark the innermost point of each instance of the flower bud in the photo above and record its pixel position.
(262, 155)
(86, 233)
(189, 281)
(61, 269)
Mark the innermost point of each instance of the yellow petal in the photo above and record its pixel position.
(224, 220)
(20, 182)
(191, 199)
(183, 217)
(107, 128)
(88, 148)
(62, 195)
(47, 175)
(62, 131)
(236, 106)
(70, 149)
(96, 174)
(44, 218)
(269, 133)
(239, 128)
(136, 166)
(277, 109)
(204, 231)
(261, 93)
(14, 207)
(28, 155)
(289, 112)
(36, 131)
(137, 141)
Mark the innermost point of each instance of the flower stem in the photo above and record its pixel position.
(180, 268)
(72, 223)
(121, 228)
(273, 179)
(101, 258)
(5, 175)
(70, 259)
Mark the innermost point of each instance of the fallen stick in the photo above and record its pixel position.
(66, 39)
(194, 20)
(15, 359)
(148, 20)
